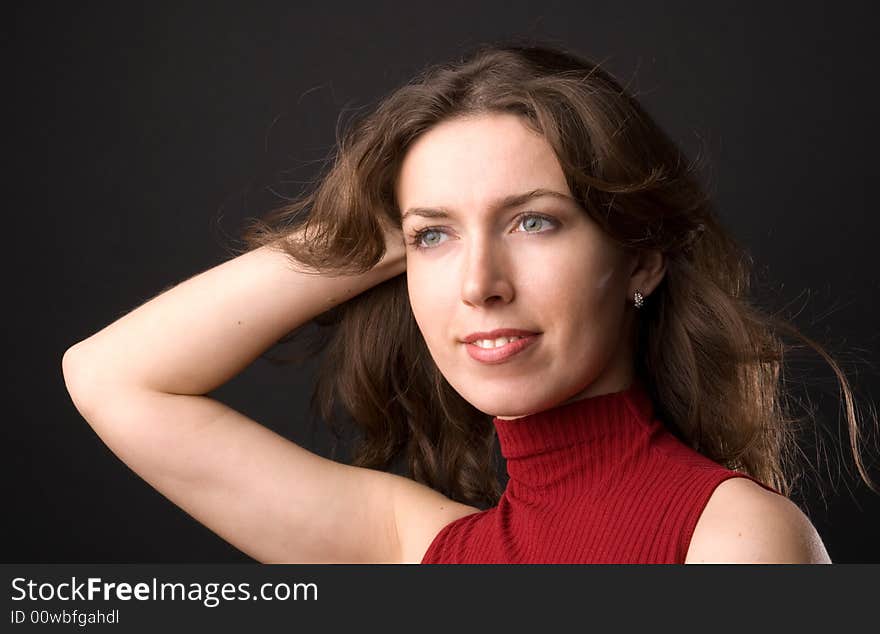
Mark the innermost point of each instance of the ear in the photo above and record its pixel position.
(648, 269)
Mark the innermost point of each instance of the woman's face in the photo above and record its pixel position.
(538, 266)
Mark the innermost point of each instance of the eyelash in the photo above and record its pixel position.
(417, 235)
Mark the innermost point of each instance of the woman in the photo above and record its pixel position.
(567, 288)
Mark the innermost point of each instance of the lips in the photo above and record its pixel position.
(500, 332)
(501, 354)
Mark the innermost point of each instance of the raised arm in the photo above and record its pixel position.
(140, 384)
(196, 336)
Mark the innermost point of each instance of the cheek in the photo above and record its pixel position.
(429, 297)
(580, 295)
(548, 273)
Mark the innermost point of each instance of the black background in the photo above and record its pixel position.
(140, 136)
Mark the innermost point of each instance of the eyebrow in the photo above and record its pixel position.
(513, 200)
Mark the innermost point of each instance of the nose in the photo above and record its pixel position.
(486, 276)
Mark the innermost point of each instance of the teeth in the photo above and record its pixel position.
(495, 343)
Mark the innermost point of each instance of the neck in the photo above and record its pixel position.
(608, 383)
(575, 443)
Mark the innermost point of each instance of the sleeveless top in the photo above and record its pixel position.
(598, 480)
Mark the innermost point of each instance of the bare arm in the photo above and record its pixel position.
(140, 381)
(744, 523)
(197, 335)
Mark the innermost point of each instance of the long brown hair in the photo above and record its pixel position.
(711, 358)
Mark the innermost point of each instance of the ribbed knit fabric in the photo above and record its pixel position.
(598, 480)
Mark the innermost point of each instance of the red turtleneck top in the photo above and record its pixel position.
(598, 480)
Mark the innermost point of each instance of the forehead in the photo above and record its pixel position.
(471, 161)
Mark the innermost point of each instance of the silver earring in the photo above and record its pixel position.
(638, 299)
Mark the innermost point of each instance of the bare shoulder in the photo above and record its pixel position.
(745, 523)
(420, 513)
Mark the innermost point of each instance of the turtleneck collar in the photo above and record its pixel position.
(578, 439)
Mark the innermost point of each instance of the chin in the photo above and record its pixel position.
(503, 404)
(506, 397)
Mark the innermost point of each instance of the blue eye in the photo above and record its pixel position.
(421, 242)
(530, 221)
